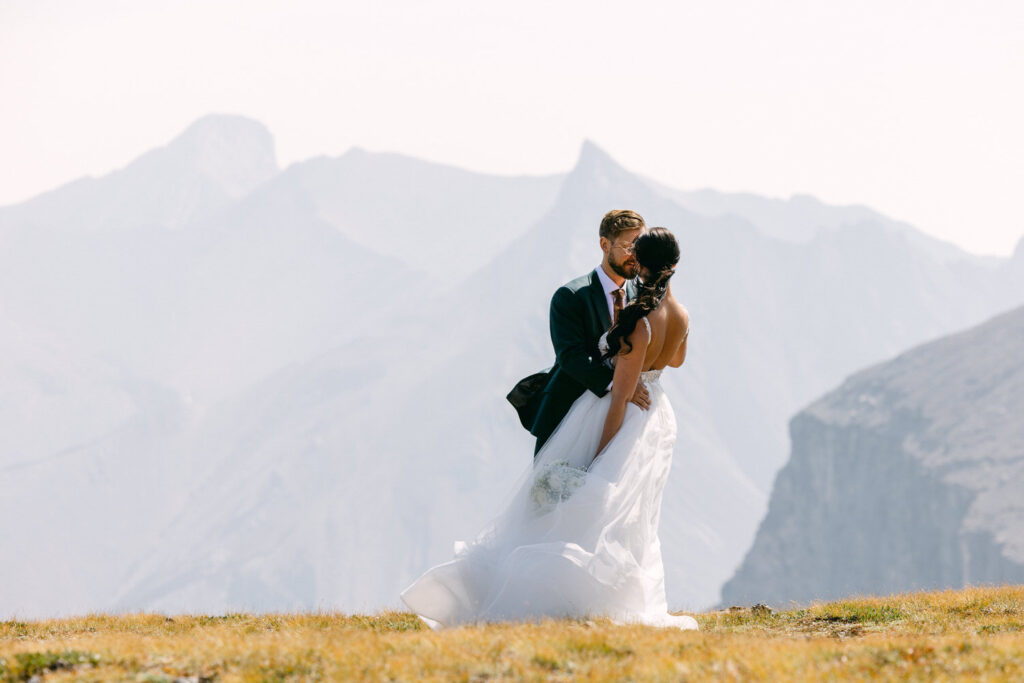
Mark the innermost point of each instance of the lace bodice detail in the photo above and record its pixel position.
(650, 376)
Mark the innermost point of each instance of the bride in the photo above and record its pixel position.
(580, 534)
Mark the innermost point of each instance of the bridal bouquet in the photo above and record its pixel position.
(556, 482)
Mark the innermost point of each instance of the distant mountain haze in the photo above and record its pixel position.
(297, 395)
(214, 162)
(802, 217)
(433, 218)
(907, 477)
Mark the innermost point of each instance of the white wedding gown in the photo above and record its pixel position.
(570, 542)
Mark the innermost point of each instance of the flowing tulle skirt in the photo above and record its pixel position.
(572, 541)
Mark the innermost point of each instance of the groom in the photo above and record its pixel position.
(581, 311)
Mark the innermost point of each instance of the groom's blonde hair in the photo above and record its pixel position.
(618, 221)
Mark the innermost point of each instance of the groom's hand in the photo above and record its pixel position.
(641, 398)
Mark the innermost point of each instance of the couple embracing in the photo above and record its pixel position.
(579, 535)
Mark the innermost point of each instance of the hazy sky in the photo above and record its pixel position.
(913, 108)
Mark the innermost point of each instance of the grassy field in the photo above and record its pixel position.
(977, 632)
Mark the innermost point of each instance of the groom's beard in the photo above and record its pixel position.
(626, 269)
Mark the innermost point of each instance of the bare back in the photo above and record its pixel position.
(670, 328)
(659, 342)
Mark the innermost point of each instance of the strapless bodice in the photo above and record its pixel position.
(650, 376)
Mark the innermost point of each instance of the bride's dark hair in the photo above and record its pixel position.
(657, 251)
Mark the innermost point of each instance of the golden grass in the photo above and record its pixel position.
(977, 632)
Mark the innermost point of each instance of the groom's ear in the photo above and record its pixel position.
(606, 244)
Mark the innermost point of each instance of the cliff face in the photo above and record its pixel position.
(909, 476)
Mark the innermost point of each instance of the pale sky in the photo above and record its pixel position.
(913, 108)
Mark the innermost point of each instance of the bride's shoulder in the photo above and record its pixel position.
(678, 311)
(682, 316)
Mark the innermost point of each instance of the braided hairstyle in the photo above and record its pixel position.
(658, 252)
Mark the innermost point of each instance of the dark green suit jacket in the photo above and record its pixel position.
(579, 316)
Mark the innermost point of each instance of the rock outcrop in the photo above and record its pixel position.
(909, 476)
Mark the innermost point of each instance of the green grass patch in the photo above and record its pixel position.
(24, 665)
(1006, 627)
(546, 663)
(857, 613)
(599, 649)
(738, 619)
(388, 621)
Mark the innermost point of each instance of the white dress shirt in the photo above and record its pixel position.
(609, 287)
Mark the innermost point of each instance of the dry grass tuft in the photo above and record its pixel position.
(943, 635)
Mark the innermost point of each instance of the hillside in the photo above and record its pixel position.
(974, 633)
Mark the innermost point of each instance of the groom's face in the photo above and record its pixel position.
(619, 252)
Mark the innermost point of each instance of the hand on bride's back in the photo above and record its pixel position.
(641, 399)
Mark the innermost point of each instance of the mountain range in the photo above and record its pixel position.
(232, 386)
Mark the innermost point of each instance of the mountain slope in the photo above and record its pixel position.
(203, 296)
(908, 476)
(215, 161)
(801, 218)
(438, 219)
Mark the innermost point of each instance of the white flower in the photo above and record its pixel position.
(556, 482)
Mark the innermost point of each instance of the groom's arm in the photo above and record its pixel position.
(569, 337)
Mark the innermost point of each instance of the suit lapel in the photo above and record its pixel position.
(600, 303)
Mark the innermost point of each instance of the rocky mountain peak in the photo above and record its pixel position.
(597, 174)
(595, 166)
(234, 152)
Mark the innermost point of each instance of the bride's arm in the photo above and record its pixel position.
(628, 367)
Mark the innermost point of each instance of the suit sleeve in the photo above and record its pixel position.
(569, 337)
